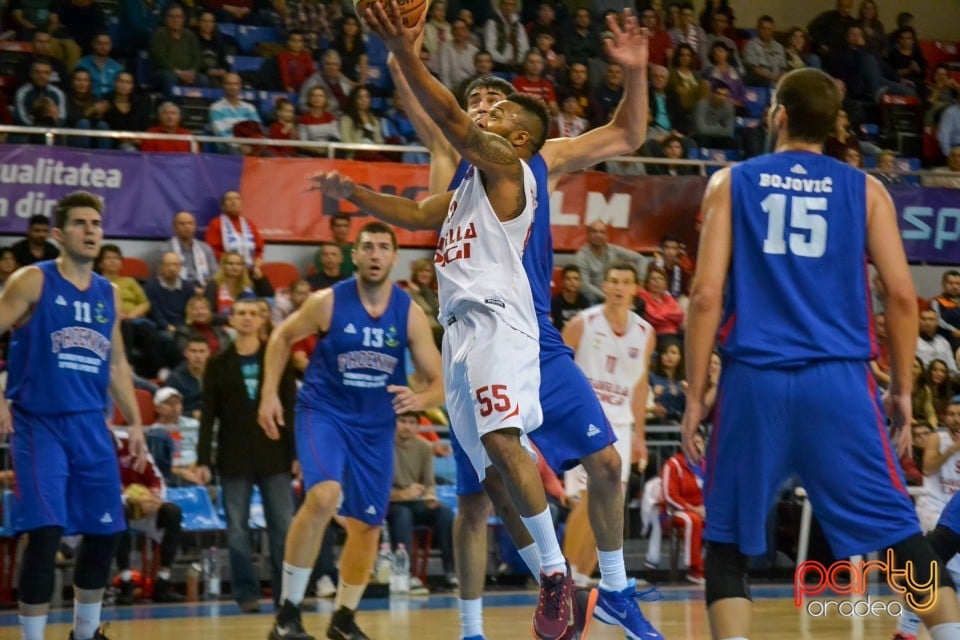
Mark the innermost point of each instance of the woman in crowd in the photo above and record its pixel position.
(232, 282)
(941, 93)
(353, 52)
(668, 384)
(84, 111)
(922, 397)
(359, 124)
(318, 124)
(721, 69)
(660, 308)
(841, 139)
(796, 53)
(941, 388)
(908, 61)
(423, 289)
(684, 79)
(128, 111)
(873, 32)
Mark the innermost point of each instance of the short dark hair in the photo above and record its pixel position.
(194, 336)
(570, 268)
(104, 250)
(42, 60)
(622, 266)
(339, 216)
(490, 83)
(378, 227)
(949, 273)
(903, 18)
(765, 18)
(670, 237)
(812, 101)
(73, 200)
(38, 218)
(537, 122)
(670, 139)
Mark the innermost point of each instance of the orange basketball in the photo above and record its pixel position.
(410, 10)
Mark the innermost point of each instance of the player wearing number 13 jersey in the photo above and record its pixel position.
(781, 284)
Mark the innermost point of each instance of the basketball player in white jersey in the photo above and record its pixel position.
(941, 469)
(613, 346)
(491, 348)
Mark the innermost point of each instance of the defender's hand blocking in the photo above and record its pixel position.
(388, 25)
(629, 47)
(270, 416)
(405, 400)
(333, 184)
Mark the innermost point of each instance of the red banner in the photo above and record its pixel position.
(639, 210)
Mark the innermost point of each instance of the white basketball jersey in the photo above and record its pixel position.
(613, 363)
(940, 487)
(479, 258)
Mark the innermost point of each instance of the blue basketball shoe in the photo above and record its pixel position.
(620, 609)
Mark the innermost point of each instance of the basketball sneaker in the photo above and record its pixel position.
(899, 635)
(584, 601)
(620, 609)
(289, 624)
(97, 635)
(555, 607)
(343, 626)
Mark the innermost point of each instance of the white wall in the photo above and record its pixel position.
(934, 19)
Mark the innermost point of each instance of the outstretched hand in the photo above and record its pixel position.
(388, 25)
(629, 46)
(333, 184)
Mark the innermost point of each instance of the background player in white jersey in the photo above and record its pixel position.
(613, 346)
(66, 353)
(491, 353)
(345, 420)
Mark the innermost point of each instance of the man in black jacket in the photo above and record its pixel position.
(245, 456)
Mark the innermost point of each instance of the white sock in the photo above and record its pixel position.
(86, 619)
(31, 627)
(163, 574)
(613, 573)
(471, 617)
(945, 631)
(293, 583)
(541, 528)
(531, 558)
(908, 623)
(126, 575)
(348, 595)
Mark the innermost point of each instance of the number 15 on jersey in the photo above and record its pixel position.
(807, 237)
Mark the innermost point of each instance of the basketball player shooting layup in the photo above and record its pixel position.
(490, 351)
(785, 236)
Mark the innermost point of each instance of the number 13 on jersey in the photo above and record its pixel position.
(808, 231)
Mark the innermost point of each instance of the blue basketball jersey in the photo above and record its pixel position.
(537, 257)
(797, 289)
(59, 361)
(357, 358)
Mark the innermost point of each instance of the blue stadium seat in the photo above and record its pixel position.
(199, 513)
(445, 468)
(257, 519)
(143, 71)
(238, 64)
(376, 50)
(447, 494)
(249, 37)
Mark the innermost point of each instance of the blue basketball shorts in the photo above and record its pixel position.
(359, 459)
(822, 422)
(67, 473)
(574, 425)
(950, 516)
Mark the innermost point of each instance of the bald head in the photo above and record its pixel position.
(184, 226)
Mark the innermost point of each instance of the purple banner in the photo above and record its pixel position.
(142, 191)
(929, 220)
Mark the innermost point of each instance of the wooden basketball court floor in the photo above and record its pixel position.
(681, 614)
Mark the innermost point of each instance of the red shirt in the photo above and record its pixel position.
(660, 42)
(682, 488)
(542, 88)
(663, 312)
(214, 236)
(166, 146)
(295, 68)
(277, 133)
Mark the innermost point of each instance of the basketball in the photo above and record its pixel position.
(410, 10)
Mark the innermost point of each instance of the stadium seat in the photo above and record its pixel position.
(937, 51)
(280, 274)
(199, 513)
(756, 100)
(445, 470)
(247, 36)
(148, 414)
(135, 268)
(12, 55)
(376, 50)
(556, 280)
(239, 64)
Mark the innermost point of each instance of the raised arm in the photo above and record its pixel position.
(402, 212)
(490, 153)
(443, 157)
(706, 300)
(311, 317)
(627, 129)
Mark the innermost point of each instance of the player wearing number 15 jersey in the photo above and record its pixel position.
(781, 284)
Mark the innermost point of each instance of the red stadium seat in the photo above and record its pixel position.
(148, 414)
(556, 281)
(280, 274)
(135, 268)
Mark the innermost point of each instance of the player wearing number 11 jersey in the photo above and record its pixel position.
(782, 285)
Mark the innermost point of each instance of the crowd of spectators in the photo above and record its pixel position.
(331, 85)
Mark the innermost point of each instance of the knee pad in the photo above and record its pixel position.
(725, 570)
(919, 553)
(39, 564)
(94, 559)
